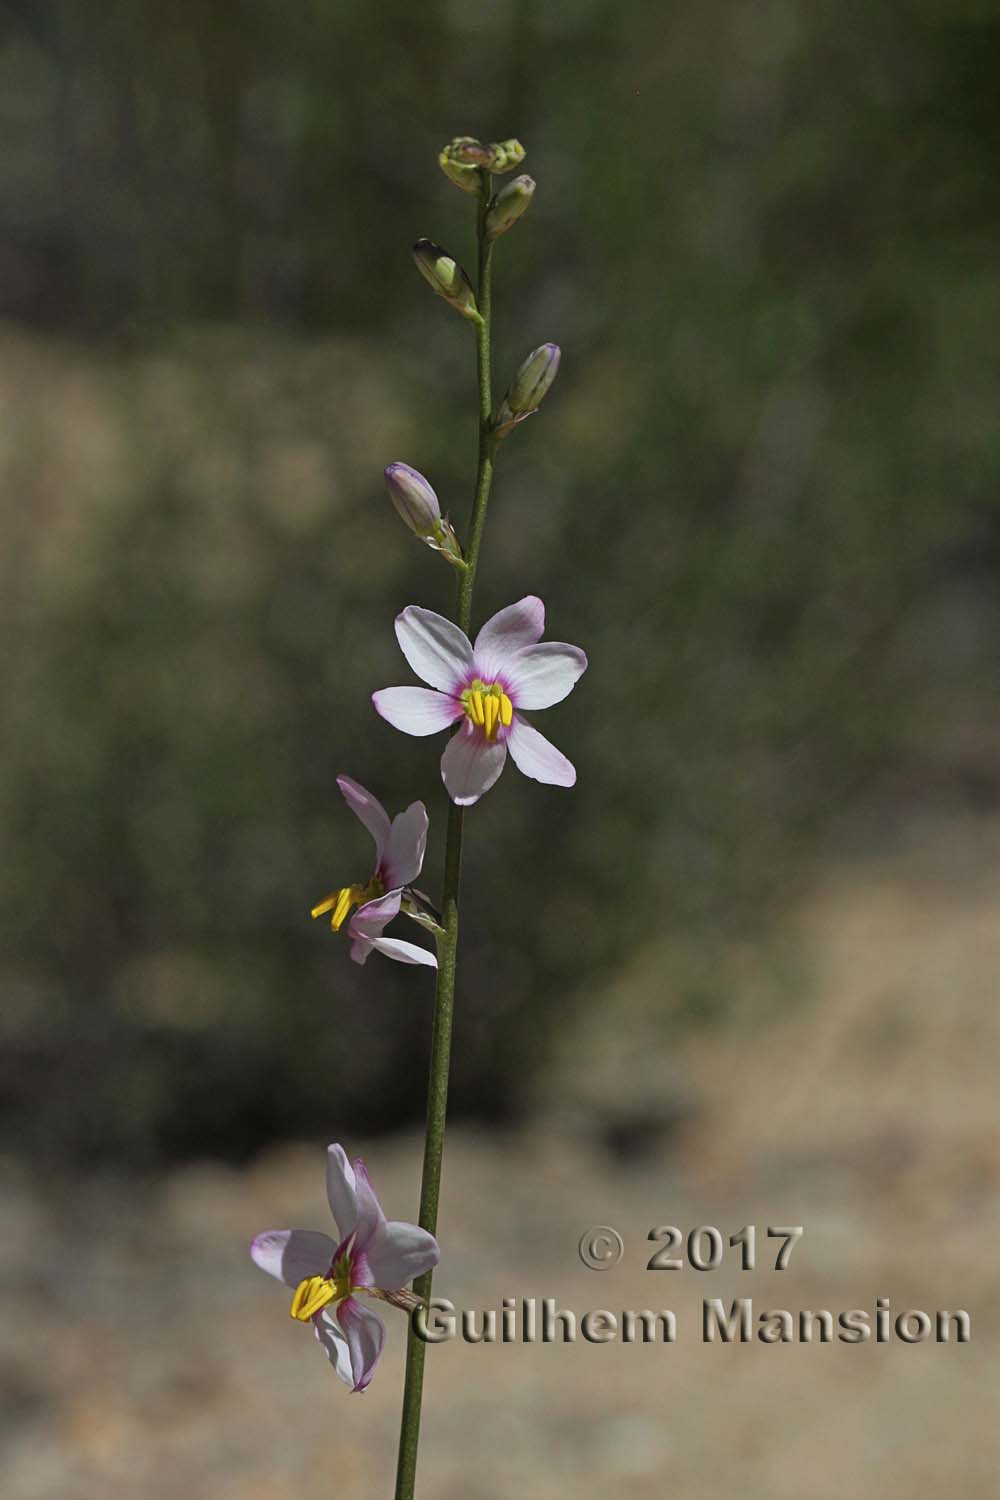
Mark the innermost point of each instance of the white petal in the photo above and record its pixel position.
(471, 764)
(510, 629)
(404, 850)
(334, 1341)
(370, 811)
(545, 674)
(537, 757)
(399, 1253)
(370, 920)
(341, 1190)
(365, 1336)
(436, 649)
(417, 710)
(371, 1219)
(290, 1255)
(404, 953)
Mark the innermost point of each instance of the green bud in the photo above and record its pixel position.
(446, 277)
(461, 161)
(506, 155)
(528, 388)
(507, 206)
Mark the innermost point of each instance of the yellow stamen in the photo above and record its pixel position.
(348, 897)
(310, 1296)
(476, 709)
(492, 708)
(506, 710)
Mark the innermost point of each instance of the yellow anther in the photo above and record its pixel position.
(506, 710)
(348, 897)
(476, 709)
(310, 1296)
(492, 708)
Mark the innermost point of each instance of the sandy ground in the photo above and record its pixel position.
(144, 1354)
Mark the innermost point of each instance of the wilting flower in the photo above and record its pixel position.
(399, 857)
(443, 273)
(486, 686)
(374, 1255)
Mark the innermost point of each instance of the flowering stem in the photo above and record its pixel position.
(444, 998)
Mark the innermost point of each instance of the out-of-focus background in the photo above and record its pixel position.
(745, 972)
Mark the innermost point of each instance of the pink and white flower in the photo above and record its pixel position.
(487, 686)
(373, 1255)
(399, 858)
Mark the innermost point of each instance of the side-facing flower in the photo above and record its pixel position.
(486, 686)
(399, 858)
(373, 1255)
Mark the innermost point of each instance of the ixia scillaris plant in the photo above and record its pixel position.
(482, 689)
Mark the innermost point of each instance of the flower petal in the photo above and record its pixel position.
(518, 625)
(402, 952)
(334, 1341)
(371, 1219)
(417, 710)
(537, 757)
(471, 764)
(290, 1255)
(370, 920)
(365, 1333)
(539, 676)
(370, 811)
(404, 850)
(400, 1252)
(341, 1190)
(435, 648)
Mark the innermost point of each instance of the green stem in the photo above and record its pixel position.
(444, 998)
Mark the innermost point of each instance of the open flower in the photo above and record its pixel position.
(399, 857)
(486, 686)
(374, 1255)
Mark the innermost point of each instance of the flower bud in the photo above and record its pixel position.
(506, 155)
(446, 277)
(413, 498)
(528, 388)
(461, 162)
(417, 504)
(508, 205)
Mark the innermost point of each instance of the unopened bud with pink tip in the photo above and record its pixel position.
(528, 388)
(446, 277)
(417, 504)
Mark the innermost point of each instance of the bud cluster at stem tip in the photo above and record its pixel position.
(528, 388)
(464, 158)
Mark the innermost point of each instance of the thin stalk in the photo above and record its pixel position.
(444, 997)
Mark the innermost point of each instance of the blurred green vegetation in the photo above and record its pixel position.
(763, 495)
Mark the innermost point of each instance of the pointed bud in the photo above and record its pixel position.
(528, 388)
(508, 205)
(413, 498)
(418, 506)
(447, 278)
